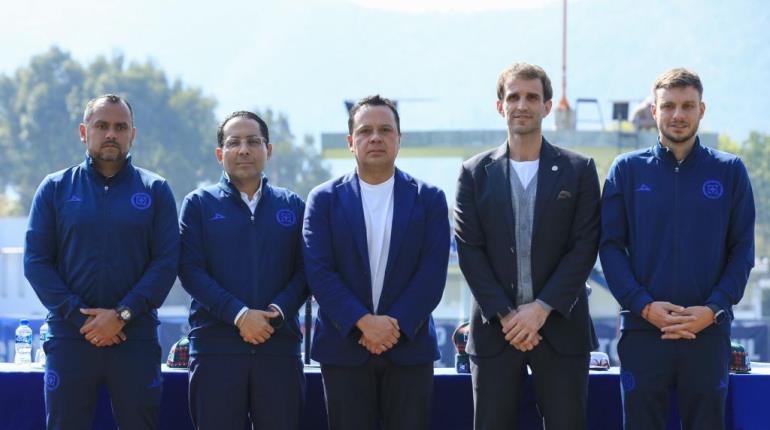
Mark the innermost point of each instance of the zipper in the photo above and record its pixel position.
(675, 272)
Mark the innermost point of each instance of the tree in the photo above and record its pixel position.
(42, 105)
(755, 153)
(728, 145)
(296, 167)
(176, 126)
(38, 123)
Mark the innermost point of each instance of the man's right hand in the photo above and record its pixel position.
(664, 314)
(528, 343)
(255, 327)
(380, 333)
(87, 330)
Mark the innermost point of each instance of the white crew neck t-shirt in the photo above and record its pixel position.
(377, 202)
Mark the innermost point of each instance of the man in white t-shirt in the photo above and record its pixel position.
(527, 230)
(376, 255)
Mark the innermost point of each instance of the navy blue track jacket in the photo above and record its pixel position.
(96, 242)
(231, 259)
(677, 232)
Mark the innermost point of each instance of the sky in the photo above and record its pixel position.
(440, 59)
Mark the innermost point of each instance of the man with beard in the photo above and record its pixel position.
(677, 247)
(241, 261)
(101, 253)
(527, 229)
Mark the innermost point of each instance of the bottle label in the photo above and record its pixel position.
(24, 338)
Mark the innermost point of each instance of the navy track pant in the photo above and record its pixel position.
(76, 371)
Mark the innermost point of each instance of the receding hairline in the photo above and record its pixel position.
(245, 118)
(97, 103)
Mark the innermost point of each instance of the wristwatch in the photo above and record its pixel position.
(124, 313)
(719, 314)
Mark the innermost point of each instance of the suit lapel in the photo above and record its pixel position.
(350, 198)
(404, 195)
(551, 167)
(500, 187)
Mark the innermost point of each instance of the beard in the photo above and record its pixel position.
(110, 153)
(679, 139)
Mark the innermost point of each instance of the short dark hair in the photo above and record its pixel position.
(375, 100)
(110, 98)
(677, 78)
(242, 114)
(524, 71)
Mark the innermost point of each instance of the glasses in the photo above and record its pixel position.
(251, 142)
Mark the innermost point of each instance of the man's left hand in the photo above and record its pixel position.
(529, 318)
(704, 317)
(102, 327)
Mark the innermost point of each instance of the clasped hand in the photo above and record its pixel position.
(379, 333)
(678, 322)
(254, 325)
(102, 327)
(521, 326)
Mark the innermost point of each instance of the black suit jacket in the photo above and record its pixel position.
(564, 245)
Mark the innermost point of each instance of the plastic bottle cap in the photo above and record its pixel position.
(24, 322)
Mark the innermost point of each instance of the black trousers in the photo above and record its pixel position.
(76, 370)
(378, 394)
(227, 390)
(652, 368)
(560, 381)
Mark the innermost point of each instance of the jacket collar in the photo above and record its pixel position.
(231, 190)
(404, 196)
(664, 153)
(88, 165)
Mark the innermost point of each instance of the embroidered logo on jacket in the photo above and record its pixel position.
(74, 198)
(141, 201)
(713, 189)
(644, 188)
(51, 380)
(217, 216)
(285, 217)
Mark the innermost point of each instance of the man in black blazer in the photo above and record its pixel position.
(527, 229)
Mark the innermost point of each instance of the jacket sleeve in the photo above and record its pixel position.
(472, 252)
(334, 297)
(614, 243)
(153, 287)
(192, 267)
(291, 298)
(568, 280)
(420, 297)
(41, 255)
(740, 244)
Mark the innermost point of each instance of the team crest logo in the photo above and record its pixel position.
(51, 380)
(285, 217)
(141, 201)
(713, 189)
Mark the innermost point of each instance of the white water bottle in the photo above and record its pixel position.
(40, 354)
(23, 353)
